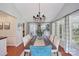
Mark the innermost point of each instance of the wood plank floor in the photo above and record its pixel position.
(63, 53)
(15, 51)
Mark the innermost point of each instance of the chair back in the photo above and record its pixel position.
(26, 39)
(56, 42)
(40, 50)
(51, 38)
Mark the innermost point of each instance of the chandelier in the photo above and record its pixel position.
(39, 17)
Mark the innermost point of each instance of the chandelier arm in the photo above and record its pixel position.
(39, 9)
(38, 17)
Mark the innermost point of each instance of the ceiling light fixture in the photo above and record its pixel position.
(39, 17)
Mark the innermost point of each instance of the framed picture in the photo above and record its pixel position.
(7, 25)
(1, 25)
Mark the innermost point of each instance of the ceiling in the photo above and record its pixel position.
(50, 10)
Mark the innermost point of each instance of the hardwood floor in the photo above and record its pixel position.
(15, 51)
(63, 53)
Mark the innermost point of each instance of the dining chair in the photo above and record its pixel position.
(51, 38)
(40, 50)
(56, 44)
(26, 40)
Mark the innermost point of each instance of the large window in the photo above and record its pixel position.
(33, 29)
(36, 29)
(45, 28)
(67, 29)
(61, 32)
(74, 34)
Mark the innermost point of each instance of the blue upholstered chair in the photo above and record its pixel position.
(40, 50)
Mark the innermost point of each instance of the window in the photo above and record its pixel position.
(33, 28)
(53, 29)
(45, 28)
(36, 29)
(74, 34)
(61, 32)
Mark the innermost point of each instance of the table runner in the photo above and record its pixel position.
(30, 43)
(48, 42)
(40, 42)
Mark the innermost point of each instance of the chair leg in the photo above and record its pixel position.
(54, 52)
(29, 54)
(24, 53)
(57, 54)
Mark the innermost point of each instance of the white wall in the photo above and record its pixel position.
(11, 9)
(67, 8)
(10, 33)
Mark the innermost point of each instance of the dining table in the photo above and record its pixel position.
(38, 42)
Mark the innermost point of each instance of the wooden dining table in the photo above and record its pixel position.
(39, 42)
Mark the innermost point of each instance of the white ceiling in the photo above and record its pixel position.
(50, 10)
